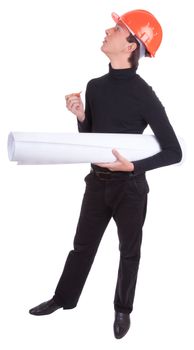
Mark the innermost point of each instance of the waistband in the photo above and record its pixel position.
(105, 173)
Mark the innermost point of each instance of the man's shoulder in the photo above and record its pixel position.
(145, 91)
(142, 88)
(97, 81)
(141, 83)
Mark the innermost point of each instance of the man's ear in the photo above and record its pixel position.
(132, 47)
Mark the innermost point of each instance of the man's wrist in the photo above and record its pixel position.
(81, 118)
(131, 167)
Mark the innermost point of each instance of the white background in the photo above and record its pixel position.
(49, 49)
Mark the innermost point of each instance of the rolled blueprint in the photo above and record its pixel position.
(64, 148)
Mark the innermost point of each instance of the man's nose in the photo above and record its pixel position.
(108, 31)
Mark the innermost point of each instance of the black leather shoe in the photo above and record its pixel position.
(121, 324)
(45, 308)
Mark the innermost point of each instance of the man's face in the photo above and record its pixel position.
(115, 42)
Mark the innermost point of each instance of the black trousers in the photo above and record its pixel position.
(123, 197)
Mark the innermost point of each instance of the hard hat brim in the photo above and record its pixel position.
(116, 18)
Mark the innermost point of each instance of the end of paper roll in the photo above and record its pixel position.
(10, 146)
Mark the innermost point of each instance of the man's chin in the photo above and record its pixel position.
(103, 49)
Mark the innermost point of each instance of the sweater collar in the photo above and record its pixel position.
(124, 73)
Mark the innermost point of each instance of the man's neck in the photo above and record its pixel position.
(119, 63)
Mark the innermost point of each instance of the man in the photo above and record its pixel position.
(118, 102)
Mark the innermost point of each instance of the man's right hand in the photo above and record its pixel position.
(75, 105)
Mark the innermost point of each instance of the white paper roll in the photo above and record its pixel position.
(63, 148)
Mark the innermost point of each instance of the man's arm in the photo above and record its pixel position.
(154, 114)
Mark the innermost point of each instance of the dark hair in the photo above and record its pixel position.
(134, 58)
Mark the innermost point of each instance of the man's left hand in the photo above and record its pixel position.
(120, 164)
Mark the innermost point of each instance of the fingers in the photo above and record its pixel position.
(76, 94)
(111, 166)
(104, 165)
(117, 154)
(73, 102)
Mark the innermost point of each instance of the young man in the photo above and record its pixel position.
(118, 102)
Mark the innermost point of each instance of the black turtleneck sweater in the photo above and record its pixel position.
(122, 102)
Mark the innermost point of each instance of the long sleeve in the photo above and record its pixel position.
(155, 115)
(86, 125)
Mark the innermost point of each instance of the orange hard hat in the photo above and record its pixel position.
(144, 26)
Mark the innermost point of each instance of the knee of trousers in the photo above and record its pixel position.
(130, 250)
(131, 255)
(84, 249)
